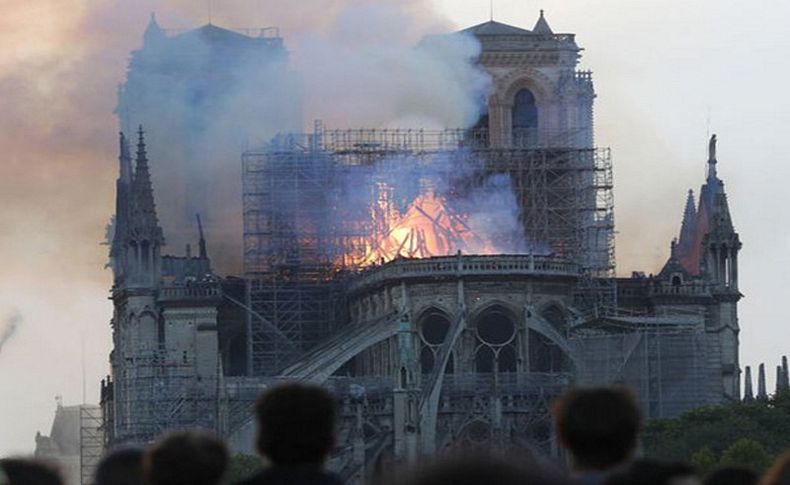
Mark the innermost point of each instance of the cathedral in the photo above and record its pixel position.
(428, 345)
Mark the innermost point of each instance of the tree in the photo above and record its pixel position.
(764, 421)
(704, 460)
(747, 453)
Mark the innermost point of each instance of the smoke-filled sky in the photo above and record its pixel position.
(666, 73)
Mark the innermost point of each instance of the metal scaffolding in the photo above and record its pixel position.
(295, 246)
(158, 394)
(92, 441)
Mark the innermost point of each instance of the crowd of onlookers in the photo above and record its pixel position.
(599, 429)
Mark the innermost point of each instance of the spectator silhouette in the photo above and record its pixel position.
(599, 427)
(732, 475)
(121, 467)
(296, 433)
(24, 471)
(186, 457)
(779, 473)
(651, 472)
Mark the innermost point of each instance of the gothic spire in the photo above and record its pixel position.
(541, 26)
(761, 390)
(145, 221)
(748, 392)
(202, 241)
(687, 228)
(122, 197)
(125, 160)
(153, 33)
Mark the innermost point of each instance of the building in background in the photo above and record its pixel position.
(75, 442)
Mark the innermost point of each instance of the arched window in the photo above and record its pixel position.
(506, 360)
(484, 360)
(525, 119)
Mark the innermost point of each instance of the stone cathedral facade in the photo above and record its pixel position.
(433, 354)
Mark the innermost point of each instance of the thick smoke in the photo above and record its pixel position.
(363, 73)
(10, 325)
(361, 69)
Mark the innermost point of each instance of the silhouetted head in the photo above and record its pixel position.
(779, 473)
(652, 472)
(481, 470)
(599, 426)
(296, 424)
(121, 467)
(25, 471)
(193, 457)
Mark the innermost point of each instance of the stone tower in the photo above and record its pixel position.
(538, 98)
(164, 320)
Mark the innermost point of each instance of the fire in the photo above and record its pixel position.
(426, 228)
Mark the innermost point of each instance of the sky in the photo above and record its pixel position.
(667, 74)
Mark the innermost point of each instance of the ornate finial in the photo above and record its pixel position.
(541, 12)
(712, 158)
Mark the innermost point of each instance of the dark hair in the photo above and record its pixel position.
(23, 471)
(650, 472)
(480, 470)
(598, 425)
(296, 424)
(193, 457)
(779, 473)
(121, 467)
(732, 475)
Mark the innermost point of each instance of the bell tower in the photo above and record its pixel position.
(539, 99)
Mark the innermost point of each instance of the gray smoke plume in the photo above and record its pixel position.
(10, 324)
(202, 104)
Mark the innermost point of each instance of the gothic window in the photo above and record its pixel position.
(484, 360)
(426, 359)
(496, 342)
(495, 327)
(506, 359)
(525, 118)
(434, 326)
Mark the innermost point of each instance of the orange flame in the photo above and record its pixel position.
(425, 229)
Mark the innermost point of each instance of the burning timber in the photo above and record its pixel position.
(446, 285)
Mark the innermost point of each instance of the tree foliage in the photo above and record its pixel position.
(713, 430)
(746, 453)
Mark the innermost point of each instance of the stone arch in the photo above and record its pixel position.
(148, 329)
(538, 83)
(501, 305)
